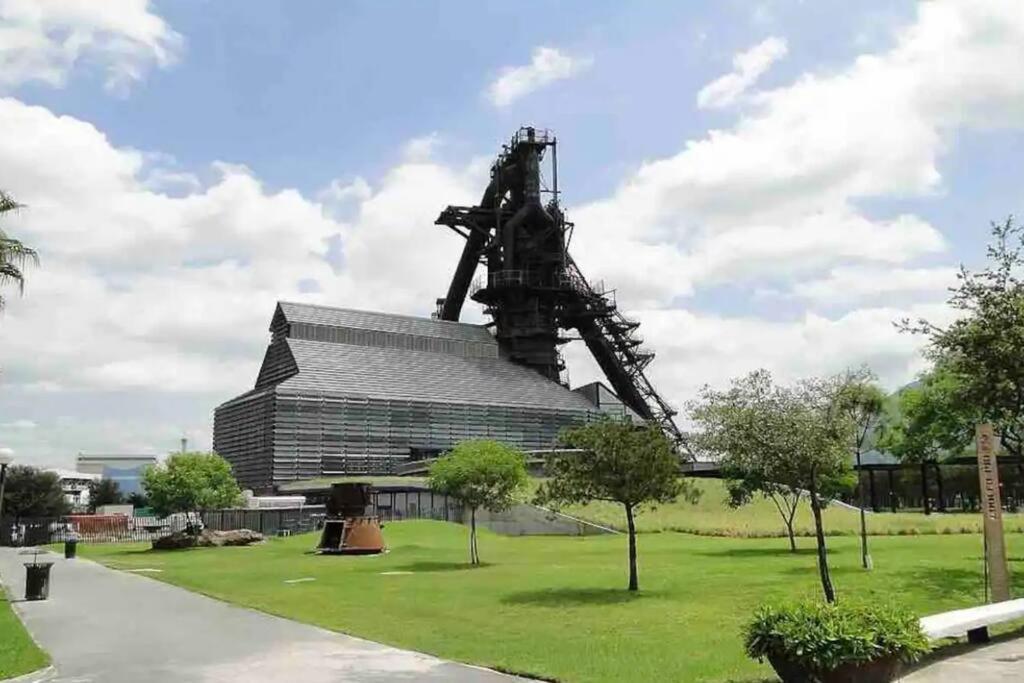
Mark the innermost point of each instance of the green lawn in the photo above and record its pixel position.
(711, 516)
(555, 606)
(18, 652)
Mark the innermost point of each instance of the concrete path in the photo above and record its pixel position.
(105, 626)
(994, 663)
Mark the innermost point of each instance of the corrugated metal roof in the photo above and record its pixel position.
(386, 373)
(386, 322)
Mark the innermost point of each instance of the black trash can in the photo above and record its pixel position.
(70, 548)
(37, 580)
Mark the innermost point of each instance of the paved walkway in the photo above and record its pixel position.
(105, 626)
(995, 663)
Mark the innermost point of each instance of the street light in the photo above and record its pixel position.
(6, 458)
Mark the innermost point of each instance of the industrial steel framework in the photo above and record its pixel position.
(533, 289)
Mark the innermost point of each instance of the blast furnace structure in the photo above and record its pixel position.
(344, 392)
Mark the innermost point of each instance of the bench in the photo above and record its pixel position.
(973, 621)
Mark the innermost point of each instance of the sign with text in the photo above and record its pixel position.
(992, 510)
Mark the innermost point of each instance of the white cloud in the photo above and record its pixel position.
(547, 65)
(17, 424)
(141, 290)
(779, 191)
(142, 297)
(43, 40)
(747, 67)
(697, 348)
(856, 284)
(421, 148)
(141, 293)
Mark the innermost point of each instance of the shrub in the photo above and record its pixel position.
(821, 637)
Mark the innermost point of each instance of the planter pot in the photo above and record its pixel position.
(881, 670)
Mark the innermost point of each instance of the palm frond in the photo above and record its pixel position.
(14, 251)
(14, 255)
(11, 273)
(7, 203)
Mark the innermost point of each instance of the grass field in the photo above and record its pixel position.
(18, 652)
(711, 516)
(556, 606)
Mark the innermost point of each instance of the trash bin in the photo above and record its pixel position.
(70, 548)
(37, 580)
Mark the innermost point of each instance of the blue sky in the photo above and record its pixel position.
(305, 94)
(766, 183)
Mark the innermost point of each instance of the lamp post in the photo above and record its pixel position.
(6, 458)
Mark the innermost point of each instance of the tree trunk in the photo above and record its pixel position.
(792, 535)
(473, 557)
(924, 489)
(788, 513)
(789, 523)
(819, 531)
(633, 582)
(940, 501)
(864, 558)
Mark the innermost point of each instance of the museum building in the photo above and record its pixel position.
(346, 392)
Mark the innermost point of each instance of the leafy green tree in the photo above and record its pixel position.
(13, 254)
(927, 422)
(768, 435)
(480, 474)
(619, 462)
(138, 499)
(104, 492)
(728, 434)
(189, 482)
(863, 402)
(30, 492)
(980, 355)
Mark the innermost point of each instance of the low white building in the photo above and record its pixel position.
(75, 486)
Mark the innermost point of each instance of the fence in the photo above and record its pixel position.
(32, 531)
(387, 505)
(267, 522)
(943, 487)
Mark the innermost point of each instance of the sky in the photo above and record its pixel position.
(764, 184)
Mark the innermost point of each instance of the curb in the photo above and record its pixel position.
(37, 676)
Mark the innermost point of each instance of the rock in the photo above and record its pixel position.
(176, 540)
(210, 537)
(207, 538)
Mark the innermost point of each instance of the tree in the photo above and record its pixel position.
(137, 499)
(189, 482)
(13, 254)
(748, 470)
(480, 474)
(104, 492)
(30, 492)
(927, 422)
(619, 462)
(863, 402)
(794, 436)
(979, 357)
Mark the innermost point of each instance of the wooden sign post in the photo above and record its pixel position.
(992, 511)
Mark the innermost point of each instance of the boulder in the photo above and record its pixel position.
(207, 538)
(210, 537)
(176, 540)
